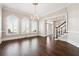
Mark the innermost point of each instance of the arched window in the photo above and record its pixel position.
(25, 25)
(34, 26)
(12, 24)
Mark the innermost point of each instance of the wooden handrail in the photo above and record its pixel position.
(61, 24)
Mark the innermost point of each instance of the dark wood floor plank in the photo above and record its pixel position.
(37, 46)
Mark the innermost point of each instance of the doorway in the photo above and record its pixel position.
(49, 28)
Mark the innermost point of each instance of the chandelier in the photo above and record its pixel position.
(35, 16)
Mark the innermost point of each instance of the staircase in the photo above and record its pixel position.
(61, 31)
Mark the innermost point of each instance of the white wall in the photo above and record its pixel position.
(0, 23)
(73, 24)
(42, 27)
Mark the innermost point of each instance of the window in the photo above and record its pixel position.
(34, 26)
(25, 26)
(12, 24)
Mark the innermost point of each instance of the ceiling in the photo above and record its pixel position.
(42, 8)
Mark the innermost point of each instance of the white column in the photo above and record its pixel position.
(45, 27)
(54, 29)
(38, 27)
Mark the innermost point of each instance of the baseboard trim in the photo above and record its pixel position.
(73, 43)
(19, 37)
(68, 39)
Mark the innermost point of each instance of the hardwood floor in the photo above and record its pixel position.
(37, 46)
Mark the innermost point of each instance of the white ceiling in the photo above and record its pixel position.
(42, 8)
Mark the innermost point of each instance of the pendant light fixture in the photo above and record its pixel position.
(35, 16)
